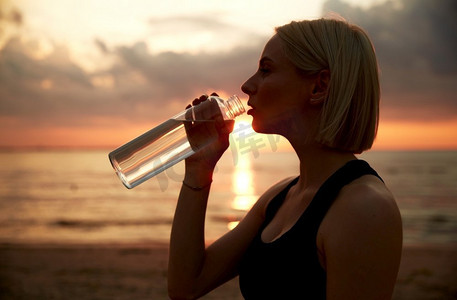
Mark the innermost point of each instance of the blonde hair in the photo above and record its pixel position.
(350, 113)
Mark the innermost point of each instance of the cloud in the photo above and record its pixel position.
(409, 33)
(183, 74)
(139, 87)
(189, 23)
(417, 52)
(197, 33)
(39, 89)
(136, 86)
(13, 16)
(136, 83)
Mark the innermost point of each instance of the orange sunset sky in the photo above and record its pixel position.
(80, 73)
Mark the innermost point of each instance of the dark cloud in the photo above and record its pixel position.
(416, 44)
(184, 74)
(49, 90)
(409, 33)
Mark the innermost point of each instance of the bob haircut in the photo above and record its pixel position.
(350, 112)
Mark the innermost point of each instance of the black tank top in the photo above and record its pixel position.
(288, 267)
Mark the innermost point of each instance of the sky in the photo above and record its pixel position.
(82, 73)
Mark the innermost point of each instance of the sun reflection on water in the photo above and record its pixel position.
(243, 188)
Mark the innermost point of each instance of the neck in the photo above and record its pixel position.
(317, 163)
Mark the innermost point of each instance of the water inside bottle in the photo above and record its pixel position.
(153, 152)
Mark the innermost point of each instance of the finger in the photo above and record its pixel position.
(215, 111)
(227, 127)
(224, 127)
(210, 111)
(207, 110)
(204, 110)
(214, 94)
(196, 101)
(188, 117)
(203, 97)
(224, 132)
(187, 126)
(199, 99)
(219, 122)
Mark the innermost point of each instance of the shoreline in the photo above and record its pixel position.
(139, 270)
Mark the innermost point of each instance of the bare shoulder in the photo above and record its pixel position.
(366, 202)
(360, 240)
(367, 197)
(367, 184)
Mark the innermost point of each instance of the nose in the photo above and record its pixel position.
(249, 87)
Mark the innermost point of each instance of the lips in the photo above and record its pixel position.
(250, 111)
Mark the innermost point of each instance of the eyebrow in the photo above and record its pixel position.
(265, 59)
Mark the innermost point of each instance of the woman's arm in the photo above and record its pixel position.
(361, 238)
(187, 243)
(193, 270)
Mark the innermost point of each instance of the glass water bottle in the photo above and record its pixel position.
(167, 144)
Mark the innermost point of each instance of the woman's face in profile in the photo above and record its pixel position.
(278, 93)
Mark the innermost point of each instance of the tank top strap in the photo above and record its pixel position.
(277, 201)
(330, 189)
(289, 267)
(326, 193)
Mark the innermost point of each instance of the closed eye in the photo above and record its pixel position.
(264, 67)
(264, 70)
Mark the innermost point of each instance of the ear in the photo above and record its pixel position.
(320, 90)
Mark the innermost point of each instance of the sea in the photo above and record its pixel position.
(75, 197)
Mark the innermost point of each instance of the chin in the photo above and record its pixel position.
(260, 128)
(256, 126)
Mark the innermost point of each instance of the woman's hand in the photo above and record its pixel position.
(210, 138)
(191, 270)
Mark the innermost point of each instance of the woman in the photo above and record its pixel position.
(333, 232)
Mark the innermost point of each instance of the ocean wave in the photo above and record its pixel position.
(92, 224)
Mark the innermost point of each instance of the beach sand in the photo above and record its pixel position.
(139, 272)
